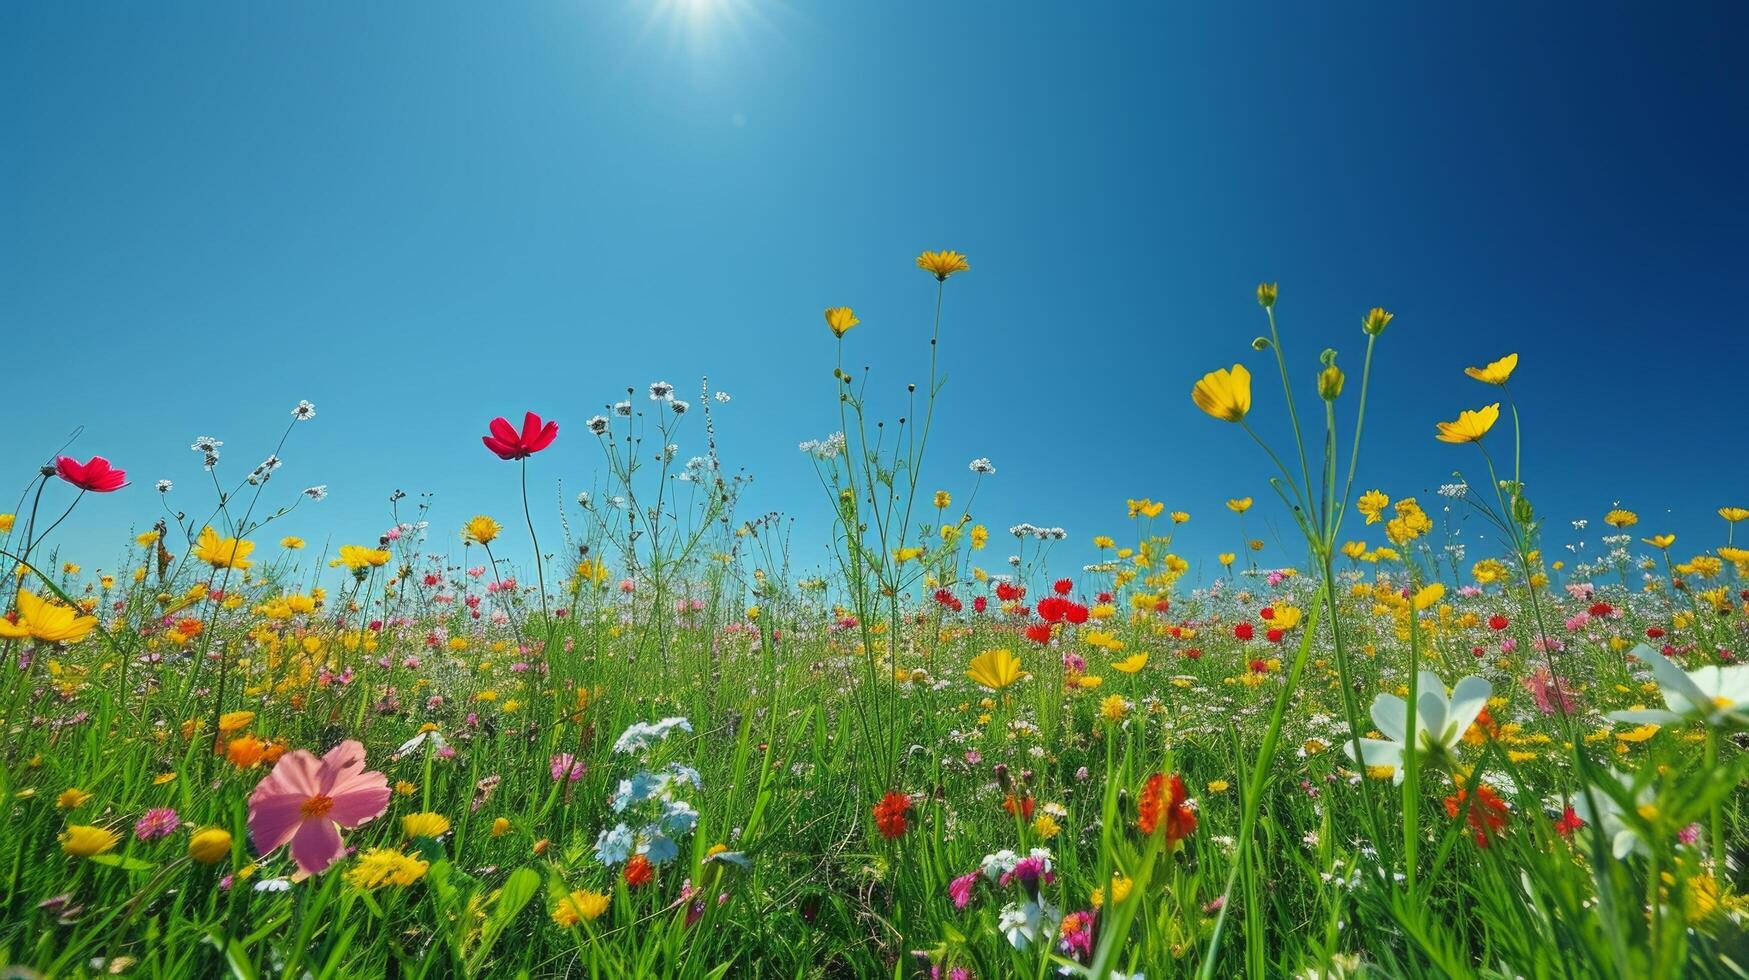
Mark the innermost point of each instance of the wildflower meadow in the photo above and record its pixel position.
(659, 748)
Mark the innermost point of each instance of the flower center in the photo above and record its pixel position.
(317, 806)
(1724, 703)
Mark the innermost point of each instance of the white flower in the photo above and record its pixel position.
(1440, 722)
(622, 409)
(1021, 924)
(640, 735)
(983, 467)
(318, 492)
(1716, 695)
(722, 397)
(614, 846)
(597, 424)
(164, 486)
(433, 736)
(207, 445)
(273, 885)
(304, 411)
(660, 391)
(679, 406)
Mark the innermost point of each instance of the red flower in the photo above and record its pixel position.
(889, 814)
(1498, 622)
(96, 476)
(1602, 609)
(1653, 633)
(638, 872)
(1275, 635)
(1487, 813)
(1052, 609)
(1063, 586)
(1039, 633)
(1106, 597)
(1194, 653)
(1259, 666)
(1568, 822)
(1008, 593)
(1243, 631)
(1024, 805)
(1076, 613)
(980, 603)
(1267, 612)
(1165, 796)
(510, 444)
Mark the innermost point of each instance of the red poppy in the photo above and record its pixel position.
(510, 444)
(96, 476)
(1498, 622)
(889, 814)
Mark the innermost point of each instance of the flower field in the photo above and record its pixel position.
(633, 736)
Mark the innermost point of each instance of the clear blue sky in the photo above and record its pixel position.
(422, 215)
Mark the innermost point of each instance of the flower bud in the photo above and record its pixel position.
(1266, 294)
(1376, 321)
(1330, 383)
(1260, 344)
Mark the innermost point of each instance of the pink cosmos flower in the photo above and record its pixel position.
(305, 801)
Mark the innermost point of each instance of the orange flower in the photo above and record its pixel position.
(1165, 796)
(638, 872)
(1487, 813)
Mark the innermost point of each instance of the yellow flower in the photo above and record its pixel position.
(291, 542)
(358, 558)
(1224, 394)
(425, 824)
(1114, 708)
(980, 537)
(1376, 321)
(839, 320)
(1619, 518)
(1496, 372)
(46, 621)
(1218, 786)
(943, 500)
(72, 798)
(1226, 558)
(1731, 514)
(1372, 503)
(1354, 549)
(481, 529)
(1131, 664)
(1046, 826)
(994, 669)
(580, 905)
(1120, 890)
(942, 264)
(1429, 595)
(1470, 426)
(210, 846)
(222, 552)
(1660, 540)
(500, 827)
(6, 522)
(381, 866)
(1180, 516)
(235, 721)
(1239, 505)
(83, 840)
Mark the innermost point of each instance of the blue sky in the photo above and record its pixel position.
(420, 216)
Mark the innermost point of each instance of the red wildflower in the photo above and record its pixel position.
(1498, 622)
(1568, 822)
(1076, 613)
(1063, 586)
(1007, 592)
(1106, 597)
(890, 812)
(1165, 796)
(1023, 804)
(1052, 609)
(1274, 635)
(1654, 633)
(1039, 633)
(511, 444)
(96, 475)
(980, 603)
(638, 872)
(1602, 609)
(1243, 631)
(1266, 613)
(1486, 813)
(1194, 653)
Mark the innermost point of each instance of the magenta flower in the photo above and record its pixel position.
(305, 801)
(566, 766)
(159, 822)
(961, 888)
(508, 443)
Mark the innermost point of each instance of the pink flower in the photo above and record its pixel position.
(960, 889)
(566, 766)
(305, 801)
(159, 822)
(508, 443)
